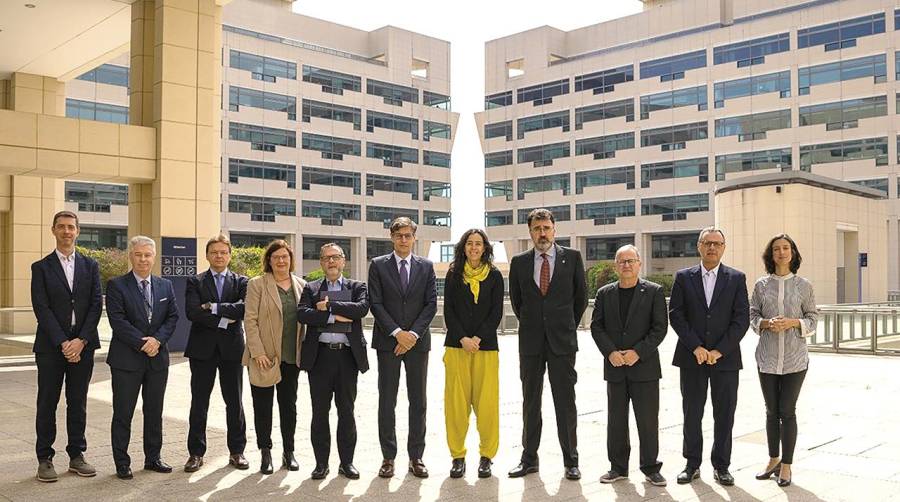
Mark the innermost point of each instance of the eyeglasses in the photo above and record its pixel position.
(628, 262)
(712, 244)
(286, 257)
(401, 237)
(334, 257)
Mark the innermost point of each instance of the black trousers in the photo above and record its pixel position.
(126, 386)
(780, 393)
(231, 383)
(287, 408)
(723, 387)
(561, 369)
(416, 364)
(334, 374)
(644, 397)
(52, 371)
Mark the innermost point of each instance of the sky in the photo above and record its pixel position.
(467, 26)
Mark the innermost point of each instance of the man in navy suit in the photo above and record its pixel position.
(214, 303)
(403, 299)
(333, 358)
(65, 296)
(710, 313)
(142, 313)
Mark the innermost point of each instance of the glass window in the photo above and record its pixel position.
(90, 110)
(604, 177)
(545, 121)
(604, 248)
(603, 111)
(779, 82)
(331, 177)
(436, 218)
(241, 240)
(393, 94)
(839, 71)
(543, 155)
(605, 80)
(753, 126)
(435, 100)
(392, 184)
(263, 68)
(675, 207)
(548, 183)
(674, 137)
(498, 189)
(388, 214)
(692, 96)
(436, 159)
(331, 111)
(498, 100)
(843, 114)
(841, 34)
(498, 218)
(877, 184)
(378, 247)
(96, 197)
(674, 245)
(102, 237)
(435, 189)
(560, 213)
(245, 168)
(605, 147)
(542, 94)
(331, 147)
(435, 130)
(107, 74)
(312, 246)
(869, 148)
(261, 208)
(751, 52)
(499, 130)
(447, 252)
(685, 168)
(239, 96)
(673, 67)
(261, 137)
(497, 159)
(609, 210)
(332, 82)
(331, 213)
(752, 161)
(393, 122)
(392, 155)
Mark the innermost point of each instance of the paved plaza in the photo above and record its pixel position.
(848, 449)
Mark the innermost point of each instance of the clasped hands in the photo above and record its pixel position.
(470, 344)
(779, 324)
(151, 346)
(624, 357)
(707, 356)
(71, 350)
(405, 342)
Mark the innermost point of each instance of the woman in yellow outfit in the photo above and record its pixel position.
(473, 308)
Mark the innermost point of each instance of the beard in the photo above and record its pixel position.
(543, 244)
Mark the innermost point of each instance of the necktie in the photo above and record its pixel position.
(220, 278)
(545, 275)
(147, 302)
(404, 276)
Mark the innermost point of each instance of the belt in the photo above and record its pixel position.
(333, 346)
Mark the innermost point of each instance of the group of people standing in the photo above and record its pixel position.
(278, 325)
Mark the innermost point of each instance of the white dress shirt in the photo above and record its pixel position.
(68, 266)
(539, 260)
(709, 281)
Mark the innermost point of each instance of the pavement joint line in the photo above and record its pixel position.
(811, 448)
(868, 449)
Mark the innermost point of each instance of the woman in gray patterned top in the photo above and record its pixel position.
(783, 313)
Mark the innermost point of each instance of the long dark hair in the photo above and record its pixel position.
(769, 260)
(459, 252)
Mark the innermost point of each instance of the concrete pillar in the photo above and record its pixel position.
(360, 267)
(175, 76)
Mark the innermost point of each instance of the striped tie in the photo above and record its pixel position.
(545, 275)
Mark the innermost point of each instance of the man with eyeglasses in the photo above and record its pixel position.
(333, 355)
(403, 299)
(710, 312)
(214, 303)
(628, 324)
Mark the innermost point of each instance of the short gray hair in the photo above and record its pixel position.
(629, 247)
(709, 230)
(330, 245)
(141, 240)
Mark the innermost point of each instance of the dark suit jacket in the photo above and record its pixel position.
(642, 330)
(719, 326)
(554, 317)
(464, 317)
(316, 321)
(410, 311)
(53, 302)
(128, 320)
(205, 333)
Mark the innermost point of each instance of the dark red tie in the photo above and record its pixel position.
(545, 275)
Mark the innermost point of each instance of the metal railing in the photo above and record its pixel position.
(863, 328)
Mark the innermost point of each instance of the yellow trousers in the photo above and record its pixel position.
(472, 382)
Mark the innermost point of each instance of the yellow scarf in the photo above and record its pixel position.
(474, 276)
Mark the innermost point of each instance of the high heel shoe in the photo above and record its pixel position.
(784, 482)
(768, 474)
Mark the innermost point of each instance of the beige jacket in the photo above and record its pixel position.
(263, 328)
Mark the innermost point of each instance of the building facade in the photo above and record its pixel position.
(624, 128)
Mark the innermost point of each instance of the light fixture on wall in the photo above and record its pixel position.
(30, 5)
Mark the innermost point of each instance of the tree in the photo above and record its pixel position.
(600, 275)
(247, 261)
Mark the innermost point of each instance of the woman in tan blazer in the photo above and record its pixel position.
(272, 354)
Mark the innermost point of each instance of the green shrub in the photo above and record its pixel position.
(664, 280)
(318, 273)
(600, 275)
(247, 261)
(113, 262)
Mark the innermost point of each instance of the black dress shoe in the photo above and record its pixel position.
(687, 475)
(387, 468)
(238, 461)
(266, 461)
(348, 471)
(288, 461)
(573, 473)
(484, 467)
(768, 474)
(522, 469)
(458, 468)
(158, 466)
(193, 464)
(319, 472)
(417, 468)
(123, 472)
(723, 477)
